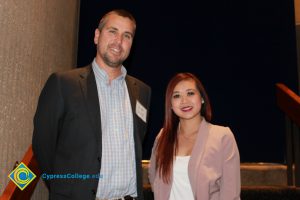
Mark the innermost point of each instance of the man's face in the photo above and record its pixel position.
(114, 41)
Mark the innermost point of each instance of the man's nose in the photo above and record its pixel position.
(118, 38)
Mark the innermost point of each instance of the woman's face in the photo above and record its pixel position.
(186, 100)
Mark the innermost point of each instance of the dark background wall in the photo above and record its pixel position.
(238, 49)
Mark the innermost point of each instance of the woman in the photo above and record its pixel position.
(192, 158)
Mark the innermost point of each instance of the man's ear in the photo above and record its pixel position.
(96, 37)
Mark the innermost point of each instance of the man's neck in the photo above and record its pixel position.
(112, 72)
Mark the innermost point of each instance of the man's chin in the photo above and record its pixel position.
(113, 60)
(114, 64)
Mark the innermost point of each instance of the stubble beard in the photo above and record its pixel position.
(111, 62)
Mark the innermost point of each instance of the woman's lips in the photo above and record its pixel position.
(186, 108)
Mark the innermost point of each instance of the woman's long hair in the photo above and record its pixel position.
(167, 142)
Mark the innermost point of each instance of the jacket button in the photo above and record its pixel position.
(94, 192)
(99, 159)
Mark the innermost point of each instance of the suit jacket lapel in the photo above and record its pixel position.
(89, 90)
(133, 95)
(132, 90)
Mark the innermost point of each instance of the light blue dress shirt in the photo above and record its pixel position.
(118, 171)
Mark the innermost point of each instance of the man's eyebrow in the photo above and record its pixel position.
(111, 27)
(127, 32)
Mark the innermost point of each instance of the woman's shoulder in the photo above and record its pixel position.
(220, 131)
(157, 137)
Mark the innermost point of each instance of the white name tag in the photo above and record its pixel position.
(141, 111)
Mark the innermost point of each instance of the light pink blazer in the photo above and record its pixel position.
(213, 169)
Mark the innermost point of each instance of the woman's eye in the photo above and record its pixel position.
(176, 96)
(190, 93)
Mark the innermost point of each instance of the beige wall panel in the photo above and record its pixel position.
(297, 11)
(37, 37)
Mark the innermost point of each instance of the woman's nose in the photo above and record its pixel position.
(183, 99)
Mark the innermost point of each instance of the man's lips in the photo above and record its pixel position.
(116, 51)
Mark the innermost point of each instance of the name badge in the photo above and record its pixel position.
(141, 111)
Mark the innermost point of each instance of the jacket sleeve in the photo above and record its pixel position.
(231, 182)
(152, 165)
(47, 122)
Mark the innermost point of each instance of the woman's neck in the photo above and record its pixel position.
(189, 127)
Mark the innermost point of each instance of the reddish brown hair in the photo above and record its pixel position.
(166, 146)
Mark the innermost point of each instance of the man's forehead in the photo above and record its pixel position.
(117, 22)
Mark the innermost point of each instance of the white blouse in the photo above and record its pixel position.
(181, 187)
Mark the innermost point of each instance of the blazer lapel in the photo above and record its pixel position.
(89, 90)
(197, 153)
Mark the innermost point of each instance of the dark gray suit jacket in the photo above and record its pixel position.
(67, 132)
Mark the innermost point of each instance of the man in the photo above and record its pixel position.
(91, 122)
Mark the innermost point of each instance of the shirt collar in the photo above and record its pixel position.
(102, 75)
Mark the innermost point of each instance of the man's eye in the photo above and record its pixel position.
(112, 31)
(128, 37)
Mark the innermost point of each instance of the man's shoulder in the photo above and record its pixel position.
(140, 83)
(74, 72)
(70, 76)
